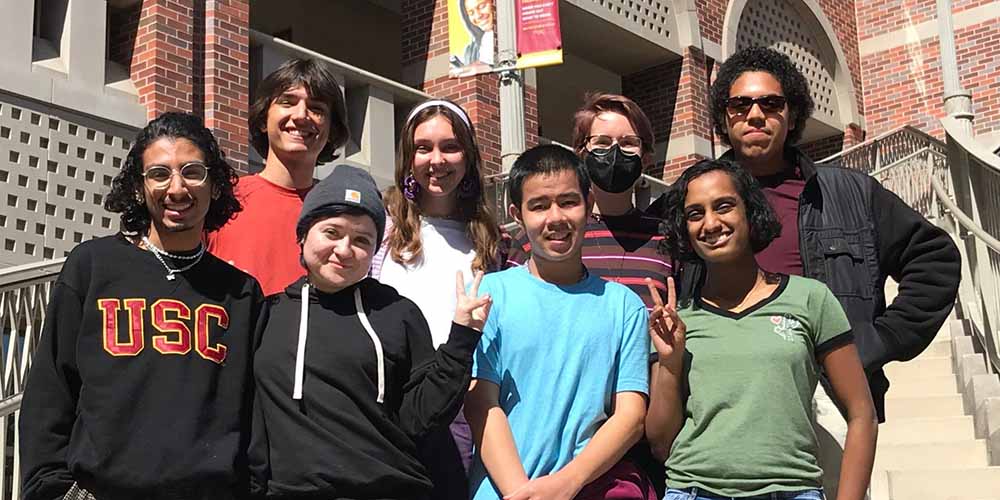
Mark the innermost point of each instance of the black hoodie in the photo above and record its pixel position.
(371, 384)
(139, 386)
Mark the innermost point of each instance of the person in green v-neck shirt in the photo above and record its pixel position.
(736, 366)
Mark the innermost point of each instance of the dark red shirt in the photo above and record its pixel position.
(783, 191)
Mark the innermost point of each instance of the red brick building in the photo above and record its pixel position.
(79, 76)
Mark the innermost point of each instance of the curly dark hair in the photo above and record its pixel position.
(126, 196)
(764, 224)
(319, 83)
(793, 85)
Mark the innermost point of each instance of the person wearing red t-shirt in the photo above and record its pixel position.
(298, 120)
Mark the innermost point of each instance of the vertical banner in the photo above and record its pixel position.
(471, 37)
(539, 41)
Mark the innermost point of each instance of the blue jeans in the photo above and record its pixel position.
(696, 494)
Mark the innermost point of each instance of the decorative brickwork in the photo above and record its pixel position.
(226, 76)
(711, 15)
(162, 58)
(878, 17)
(903, 85)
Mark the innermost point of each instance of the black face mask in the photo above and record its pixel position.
(612, 170)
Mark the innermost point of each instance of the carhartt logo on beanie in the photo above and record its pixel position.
(346, 186)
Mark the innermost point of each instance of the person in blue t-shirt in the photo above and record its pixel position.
(560, 378)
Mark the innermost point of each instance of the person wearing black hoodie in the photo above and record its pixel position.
(347, 376)
(139, 386)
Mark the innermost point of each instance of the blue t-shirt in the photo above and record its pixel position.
(559, 355)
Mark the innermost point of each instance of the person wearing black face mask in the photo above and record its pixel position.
(615, 139)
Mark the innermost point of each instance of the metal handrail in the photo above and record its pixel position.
(942, 180)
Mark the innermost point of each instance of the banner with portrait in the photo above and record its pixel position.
(471, 37)
(539, 40)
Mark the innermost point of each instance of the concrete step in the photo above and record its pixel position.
(957, 454)
(923, 407)
(940, 385)
(926, 367)
(926, 430)
(941, 346)
(945, 484)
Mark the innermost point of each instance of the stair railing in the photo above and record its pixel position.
(24, 295)
(955, 184)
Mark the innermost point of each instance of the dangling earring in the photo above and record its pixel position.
(410, 188)
(468, 188)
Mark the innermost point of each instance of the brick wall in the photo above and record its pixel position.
(903, 84)
(190, 56)
(162, 58)
(226, 76)
(877, 17)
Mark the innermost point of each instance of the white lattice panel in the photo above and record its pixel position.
(55, 169)
(776, 24)
(651, 15)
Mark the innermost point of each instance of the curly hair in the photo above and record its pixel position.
(404, 239)
(763, 223)
(319, 83)
(793, 85)
(127, 194)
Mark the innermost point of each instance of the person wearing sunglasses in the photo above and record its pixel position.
(140, 384)
(840, 227)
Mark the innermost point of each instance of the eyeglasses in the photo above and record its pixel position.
(768, 103)
(631, 144)
(193, 174)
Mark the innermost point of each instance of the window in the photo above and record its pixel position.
(47, 31)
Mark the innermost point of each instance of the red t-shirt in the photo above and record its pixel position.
(783, 191)
(261, 239)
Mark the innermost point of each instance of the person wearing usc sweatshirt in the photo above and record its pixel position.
(347, 376)
(140, 384)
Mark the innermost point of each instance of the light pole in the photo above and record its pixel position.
(512, 142)
(957, 101)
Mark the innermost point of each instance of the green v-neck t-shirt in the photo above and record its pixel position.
(748, 393)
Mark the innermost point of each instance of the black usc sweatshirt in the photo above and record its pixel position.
(139, 385)
(350, 436)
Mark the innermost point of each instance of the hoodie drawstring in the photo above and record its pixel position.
(300, 353)
(375, 340)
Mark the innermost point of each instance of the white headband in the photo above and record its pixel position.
(438, 102)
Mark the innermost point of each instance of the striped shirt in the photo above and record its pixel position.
(620, 248)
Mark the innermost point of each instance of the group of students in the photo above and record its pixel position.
(275, 337)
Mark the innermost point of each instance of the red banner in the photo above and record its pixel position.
(539, 41)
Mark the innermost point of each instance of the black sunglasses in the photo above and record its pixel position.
(768, 103)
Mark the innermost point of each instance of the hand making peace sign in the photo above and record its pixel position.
(470, 309)
(666, 327)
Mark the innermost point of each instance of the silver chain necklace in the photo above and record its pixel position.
(159, 253)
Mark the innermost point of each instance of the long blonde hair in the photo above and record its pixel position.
(405, 245)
